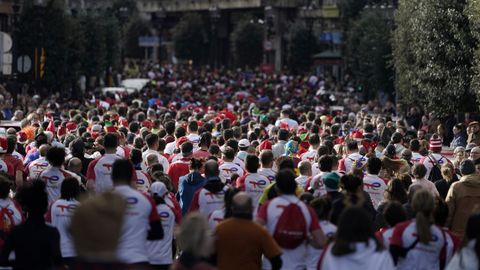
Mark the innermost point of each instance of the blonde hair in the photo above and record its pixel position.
(447, 171)
(195, 236)
(423, 204)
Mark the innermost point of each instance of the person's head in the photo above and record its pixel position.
(421, 134)
(282, 134)
(415, 145)
(326, 163)
(322, 207)
(187, 149)
(205, 140)
(331, 182)
(158, 190)
(152, 159)
(374, 165)
(252, 163)
(33, 198)
(285, 180)
(196, 164)
(122, 172)
(314, 140)
(75, 165)
(352, 147)
(447, 171)
(266, 158)
(96, 227)
(305, 168)
(419, 170)
(351, 183)
(56, 156)
(394, 213)
(467, 167)
(228, 200)
(5, 185)
(43, 150)
(354, 226)
(136, 156)
(395, 191)
(242, 205)
(70, 189)
(152, 141)
(211, 169)
(423, 205)
(475, 153)
(228, 154)
(192, 127)
(435, 144)
(110, 142)
(195, 236)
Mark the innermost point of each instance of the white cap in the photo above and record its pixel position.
(243, 143)
(159, 189)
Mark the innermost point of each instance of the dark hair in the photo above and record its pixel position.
(283, 134)
(374, 165)
(205, 139)
(70, 188)
(193, 126)
(322, 207)
(419, 170)
(5, 185)
(252, 163)
(415, 145)
(352, 146)
(229, 153)
(266, 157)
(196, 164)
(227, 199)
(151, 139)
(33, 198)
(110, 141)
(314, 139)
(211, 169)
(396, 191)
(355, 225)
(56, 156)
(122, 171)
(325, 163)
(136, 156)
(285, 180)
(394, 213)
(233, 144)
(286, 163)
(350, 183)
(179, 132)
(227, 134)
(11, 143)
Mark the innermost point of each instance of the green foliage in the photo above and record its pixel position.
(432, 53)
(473, 13)
(112, 41)
(368, 50)
(247, 41)
(135, 29)
(302, 46)
(189, 38)
(94, 44)
(350, 10)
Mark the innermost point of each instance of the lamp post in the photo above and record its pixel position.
(214, 13)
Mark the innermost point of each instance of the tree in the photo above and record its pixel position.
(368, 50)
(433, 51)
(350, 10)
(190, 39)
(247, 41)
(473, 14)
(302, 46)
(135, 29)
(94, 44)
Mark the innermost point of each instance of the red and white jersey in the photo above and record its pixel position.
(59, 216)
(141, 210)
(421, 256)
(268, 172)
(216, 217)
(429, 161)
(14, 210)
(302, 180)
(36, 167)
(100, 171)
(229, 168)
(206, 201)
(385, 235)
(194, 139)
(143, 181)
(345, 164)
(270, 213)
(239, 162)
(416, 157)
(161, 159)
(317, 185)
(53, 178)
(309, 156)
(253, 184)
(313, 254)
(4, 167)
(123, 151)
(160, 251)
(17, 155)
(315, 169)
(375, 187)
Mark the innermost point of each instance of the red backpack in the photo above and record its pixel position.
(291, 229)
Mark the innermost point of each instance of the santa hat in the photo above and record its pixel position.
(435, 145)
(71, 127)
(124, 122)
(21, 137)
(357, 135)
(181, 141)
(109, 128)
(61, 131)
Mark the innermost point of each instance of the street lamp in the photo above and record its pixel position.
(214, 13)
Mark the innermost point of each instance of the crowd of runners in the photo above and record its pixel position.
(236, 170)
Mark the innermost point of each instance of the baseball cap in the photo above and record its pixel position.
(159, 189)
(243, 143)
(331, 182)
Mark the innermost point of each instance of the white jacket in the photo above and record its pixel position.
(465, 258)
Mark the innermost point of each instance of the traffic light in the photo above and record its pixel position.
(42, 63)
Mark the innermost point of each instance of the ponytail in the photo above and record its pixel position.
(423, 204)
(423, 228)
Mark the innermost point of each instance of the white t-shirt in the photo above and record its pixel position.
(310, 156)
(36, 167)
(143, 181)
(229, 168)
(100, 170)
(255, 184)
(268, 172)
(14, 209)
(161, 159)
(216, 217)
(59, 215)
(375, 187)
(348, 161)
(302, 181)
(141, 210)
(313, 254)
(170, 147)
(160, 251)
(53, 178)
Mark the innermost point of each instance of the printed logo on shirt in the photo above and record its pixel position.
(164, 216)
(230, 170)
(108, 166)
(67, 208)
(53, 178)
(271, 178)
(258, 183)
(41, 165)
(217, 195)
(434, 237)
(372, 186)
(140, 181)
